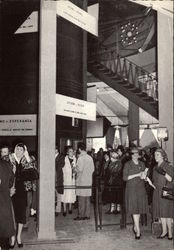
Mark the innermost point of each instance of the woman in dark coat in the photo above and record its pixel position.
(22, 160)
(114, 183)
(6, 218)
(163, 174)
(135, 193)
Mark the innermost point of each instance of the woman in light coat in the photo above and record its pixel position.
(69, 196)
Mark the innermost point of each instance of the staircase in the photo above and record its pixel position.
(130, 80)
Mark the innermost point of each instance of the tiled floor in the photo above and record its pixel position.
(81, 235)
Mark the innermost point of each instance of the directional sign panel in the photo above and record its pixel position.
(76, 108)
(79, 17)
(30, 24)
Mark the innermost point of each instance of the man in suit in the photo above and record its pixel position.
(84, 171)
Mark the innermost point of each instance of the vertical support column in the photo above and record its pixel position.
(84, 123)
(133, 128)
(123, 135)
(46, 130)
(165, 78)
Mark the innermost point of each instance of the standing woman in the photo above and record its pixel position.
(135, 193)
(163, 174)
(69, 196)
(19, 199)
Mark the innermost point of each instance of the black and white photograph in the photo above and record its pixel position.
(86, 125)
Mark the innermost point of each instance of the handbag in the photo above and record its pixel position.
(168, 192)
(29, 174)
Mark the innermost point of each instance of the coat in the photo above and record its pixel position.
(69, 195)
(85, 169)
(59, 164)
(6, 217)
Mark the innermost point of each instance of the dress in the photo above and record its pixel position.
(68, 195)
(162, 208)
(6, 217)
(20, 197)
(135, 193)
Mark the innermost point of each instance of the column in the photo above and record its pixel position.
(123, 135)
(165, 78)
(46, 125)
(133, 127)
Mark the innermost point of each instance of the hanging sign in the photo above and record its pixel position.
(79, 17)
(18, 125)
(72, 107)
(29, 25)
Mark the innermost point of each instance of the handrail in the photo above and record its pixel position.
(128, 71)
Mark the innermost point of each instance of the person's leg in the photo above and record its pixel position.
(70, 208)
(164, 226)
(169, 226)
(64, 209)
(81, 207)
(136, 220)
(58, 206)
(87, 207)
(19, 233)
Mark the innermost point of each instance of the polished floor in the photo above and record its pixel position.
(81, 235)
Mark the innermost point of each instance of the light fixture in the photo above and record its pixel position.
(129, 31)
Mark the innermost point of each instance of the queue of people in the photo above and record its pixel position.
(127, 175)
(137, 177)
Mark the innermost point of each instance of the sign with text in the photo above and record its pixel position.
(72, 107)
(30, 25)
(18, 125)
(79, 17)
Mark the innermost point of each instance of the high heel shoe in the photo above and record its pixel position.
(20, 245)
(162, 236)
(137, 237)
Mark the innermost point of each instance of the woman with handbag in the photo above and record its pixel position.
(163, 173)
(135, 193)
(23, 174)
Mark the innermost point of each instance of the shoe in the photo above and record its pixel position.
(137, 237)
(86, 218)
(79, 218)
(64, 213)
(70, 211)
(116, 212)
(20, 245)
(162, 236)
(170, 238)
(11, 246)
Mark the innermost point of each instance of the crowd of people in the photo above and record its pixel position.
(18, 175)
(134, 177)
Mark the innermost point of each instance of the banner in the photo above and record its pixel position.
(72, 107)
(79, 17)
(18, 125)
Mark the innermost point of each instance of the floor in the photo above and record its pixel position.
(81, 235)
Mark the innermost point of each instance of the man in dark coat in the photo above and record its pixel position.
(59, 164)
(6, 218)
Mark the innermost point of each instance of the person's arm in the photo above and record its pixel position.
(126, 175)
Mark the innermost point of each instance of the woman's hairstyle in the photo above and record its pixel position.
(133, 150)
(81, 146)
(163, 153)
(68, 148)
(21, 145)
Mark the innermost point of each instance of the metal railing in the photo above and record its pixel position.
(128, 71)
